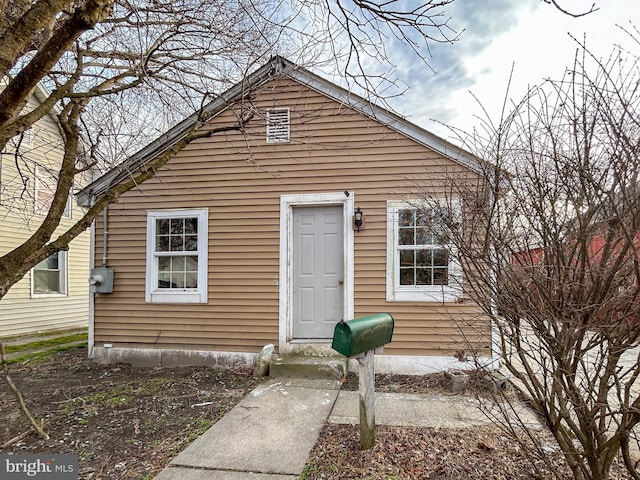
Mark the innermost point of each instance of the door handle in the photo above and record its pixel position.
(340, 282)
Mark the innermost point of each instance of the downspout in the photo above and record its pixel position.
(92, 293)
(92, 250)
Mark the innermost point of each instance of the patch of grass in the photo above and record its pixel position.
(151, 386)
(113, 397)
(308, 469)
(84, 455)
(44, 344)
(89, 405)
(197, 428)
(43, 354)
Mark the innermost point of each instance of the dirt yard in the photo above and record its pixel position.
(122, 422)
(127, 423)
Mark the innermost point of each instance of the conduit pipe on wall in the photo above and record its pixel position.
(105, 236)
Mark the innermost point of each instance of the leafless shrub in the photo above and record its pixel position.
(549, 248)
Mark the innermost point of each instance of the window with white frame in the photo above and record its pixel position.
(45, 189)
(50, 276)
(278, 125)
(420, 260)
(177, 256)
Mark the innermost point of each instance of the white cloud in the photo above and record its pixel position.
(532, 37)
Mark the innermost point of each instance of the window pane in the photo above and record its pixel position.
(191, 280)
(177, 279)
(424, 236)
(46, 281)
(423, 218)
(441, 257)
(407, 276)
(177, 264)
(407, 258)
(423, 276)
(177, 225)
(47, 275)
(164, 264)
(406, 218)
(441, 276)
(45, 189)
(423, 258)
(162, 243)
(406, 236)
(191, 243)
(190, 225)
(191, 264)
(50, 263)
(164, 280)
(177, 244)
(178, 272)
(162, 226)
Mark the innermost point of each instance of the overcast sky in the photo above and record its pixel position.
(529, 35)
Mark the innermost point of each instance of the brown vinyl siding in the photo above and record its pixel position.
(240, 179)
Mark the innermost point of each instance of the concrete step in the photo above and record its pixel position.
(320, 368)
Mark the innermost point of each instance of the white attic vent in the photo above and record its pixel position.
(278, 125)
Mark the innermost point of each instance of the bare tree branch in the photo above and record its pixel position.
(558, 204)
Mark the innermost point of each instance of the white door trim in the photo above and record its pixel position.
(287, 202)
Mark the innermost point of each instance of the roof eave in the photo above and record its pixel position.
(277, 65)
(175, 134)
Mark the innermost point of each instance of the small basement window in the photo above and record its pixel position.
(278, 125)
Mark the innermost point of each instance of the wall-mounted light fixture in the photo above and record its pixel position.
(358, 220)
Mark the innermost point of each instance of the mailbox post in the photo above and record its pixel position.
(359, 339)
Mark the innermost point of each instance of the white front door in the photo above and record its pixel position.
(317, 270)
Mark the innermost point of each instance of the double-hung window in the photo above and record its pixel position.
(177, 256)
(45, 185)
(420, 260)
(50, 276)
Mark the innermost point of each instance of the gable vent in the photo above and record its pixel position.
(278, 125)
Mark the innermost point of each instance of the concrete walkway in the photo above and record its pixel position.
(270, 433)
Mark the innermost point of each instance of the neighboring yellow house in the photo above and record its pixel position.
(55, 293)
(248, 238)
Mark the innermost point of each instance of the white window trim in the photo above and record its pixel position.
(63, 267)
(27, 137)
(187, 295)
(279, 132)
(39, 174)
(38, 180)
(411, 293)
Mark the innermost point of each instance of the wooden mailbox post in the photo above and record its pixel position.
(360, 339)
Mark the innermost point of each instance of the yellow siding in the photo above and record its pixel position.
(240, 178)
(20, 312)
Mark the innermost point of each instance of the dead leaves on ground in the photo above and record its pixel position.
(418, 453)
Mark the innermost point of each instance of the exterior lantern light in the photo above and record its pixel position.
(358, 220)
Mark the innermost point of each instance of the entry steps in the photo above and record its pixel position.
(311, 367)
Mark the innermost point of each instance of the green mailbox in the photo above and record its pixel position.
(362, 334)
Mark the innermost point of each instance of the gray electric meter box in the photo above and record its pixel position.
(101, 280)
